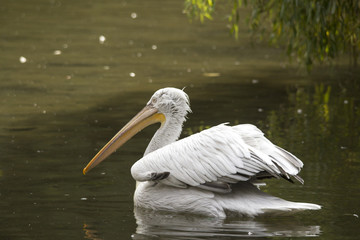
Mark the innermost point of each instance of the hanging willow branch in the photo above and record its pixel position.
(313, 30)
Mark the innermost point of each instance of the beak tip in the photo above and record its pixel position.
(84, 171)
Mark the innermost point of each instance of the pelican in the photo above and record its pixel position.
(210, 173)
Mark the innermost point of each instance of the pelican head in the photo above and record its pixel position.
(168, 106)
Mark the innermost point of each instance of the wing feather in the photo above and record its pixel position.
(219, 156)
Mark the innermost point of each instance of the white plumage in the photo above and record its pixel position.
(208, 173)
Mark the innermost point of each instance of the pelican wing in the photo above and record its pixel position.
(217, 157)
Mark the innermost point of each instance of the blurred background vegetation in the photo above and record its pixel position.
(311, 31)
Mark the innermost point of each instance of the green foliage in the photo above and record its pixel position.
(313, 30)
(199, 9)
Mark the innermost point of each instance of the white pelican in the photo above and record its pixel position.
(209, 173)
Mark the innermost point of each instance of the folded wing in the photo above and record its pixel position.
(216, 158)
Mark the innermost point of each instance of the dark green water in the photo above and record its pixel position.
(74, 92)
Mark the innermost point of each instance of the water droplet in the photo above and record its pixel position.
(299, 111)
(153, 47)
(106, 67)
(57, 52)
(22, 59)
(133, 15)
(346, 101)
(260, 110)
(132, 74)
(83, 199)
(102, 39)
(254, 81)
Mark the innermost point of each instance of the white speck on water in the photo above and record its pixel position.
(132, 74)
(237, 63)
(102, 39)
(133, 15)
(57, 52)
(153, 47)
(250, 233)
(66, 194)
(139, 54)
(260, 110)
(106, 67)
(65, 45)
(103, 173)
(44, 111)
(188, 70)
(83, 199)
(23, 59)
(355, 215)
(346, 101)
(254, 81)
(150, 80)
(299, 111)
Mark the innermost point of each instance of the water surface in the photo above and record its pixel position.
(65, 92)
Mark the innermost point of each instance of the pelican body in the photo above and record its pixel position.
(210, 173)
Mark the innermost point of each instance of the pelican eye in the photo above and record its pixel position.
(154, 100)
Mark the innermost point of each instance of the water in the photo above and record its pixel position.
(73, 73)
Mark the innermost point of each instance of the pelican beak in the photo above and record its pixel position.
(147, 116)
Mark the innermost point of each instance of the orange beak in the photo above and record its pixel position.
(147, 116)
